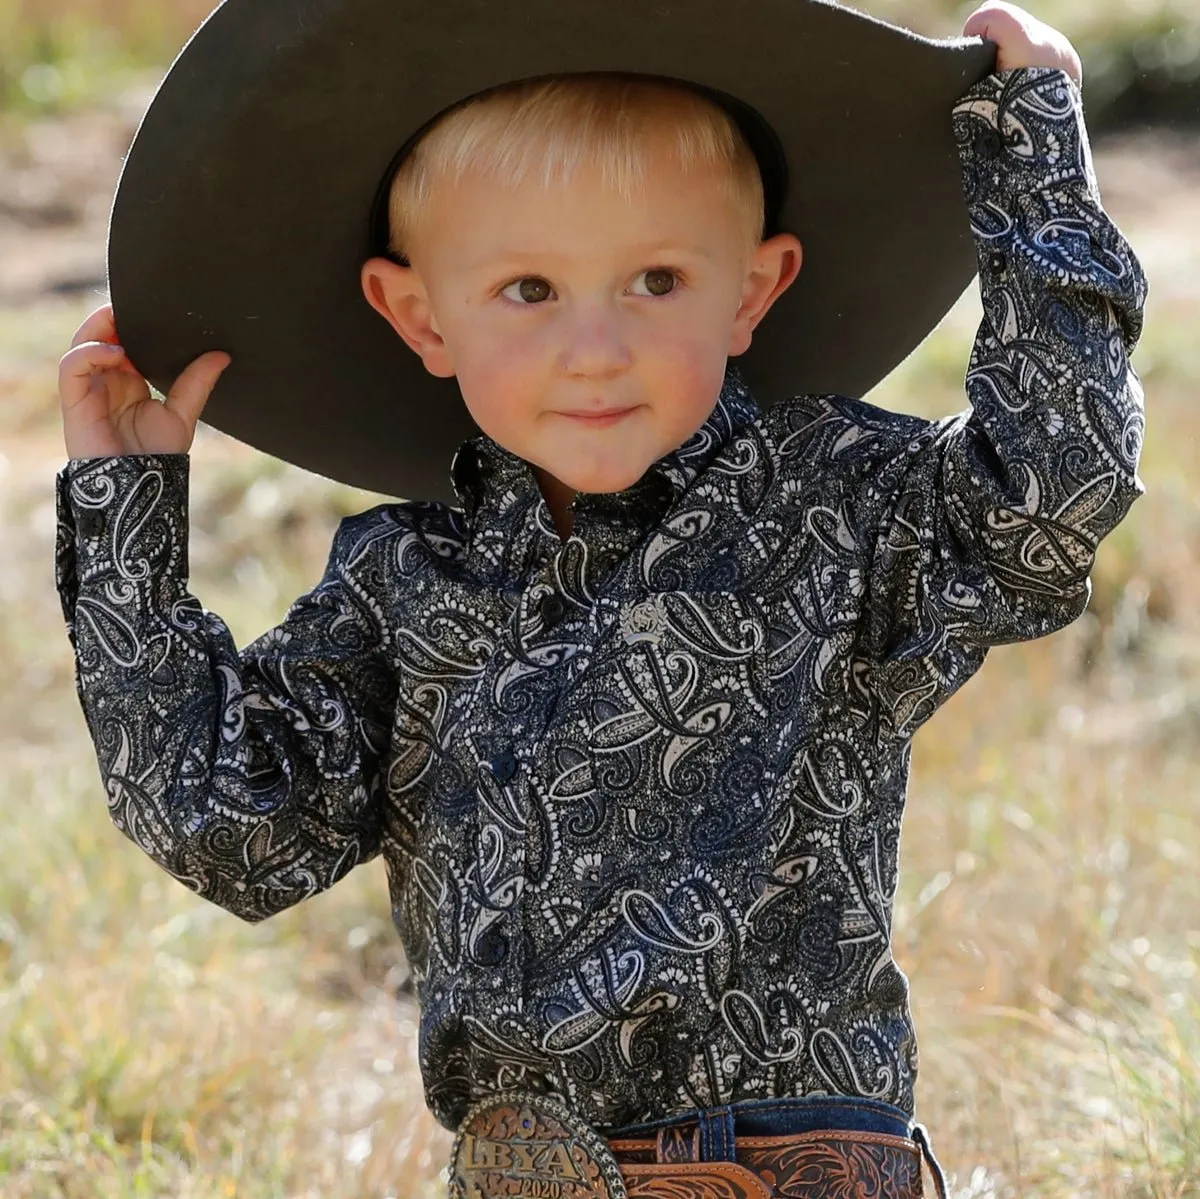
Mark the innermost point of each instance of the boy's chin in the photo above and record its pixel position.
(605, 482)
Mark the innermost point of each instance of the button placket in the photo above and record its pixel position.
(501, 803)
(550, 608)
(504, 767)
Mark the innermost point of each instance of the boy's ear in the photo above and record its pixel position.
(773, 269)
(398, 294)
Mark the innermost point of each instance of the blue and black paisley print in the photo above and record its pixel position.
(639, 793)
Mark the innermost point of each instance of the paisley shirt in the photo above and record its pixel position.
(639, 792)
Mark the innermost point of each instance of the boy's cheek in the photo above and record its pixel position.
(500, 392)
(689, 372)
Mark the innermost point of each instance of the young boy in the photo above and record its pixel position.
(631, 729)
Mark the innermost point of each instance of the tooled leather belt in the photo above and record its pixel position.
(519, 1143)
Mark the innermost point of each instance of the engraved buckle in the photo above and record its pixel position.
(519, 1143)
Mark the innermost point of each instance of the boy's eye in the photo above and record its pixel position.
(531, 289)
(660, 281)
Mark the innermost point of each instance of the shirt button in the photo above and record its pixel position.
(553, 609)
(91, 522)
(989, 144)
(998, 262)
(504, 766)
(661, 491)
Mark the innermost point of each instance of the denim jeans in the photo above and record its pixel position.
(777, 1117)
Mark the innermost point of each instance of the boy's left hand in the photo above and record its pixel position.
(1022, 40)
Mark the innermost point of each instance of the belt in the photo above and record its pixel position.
(525, 1145)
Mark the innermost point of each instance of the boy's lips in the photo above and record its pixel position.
(607, 417)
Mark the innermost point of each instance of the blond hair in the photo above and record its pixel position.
(555, 125)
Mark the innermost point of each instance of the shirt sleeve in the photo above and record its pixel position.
(982, 528)
(249, 776)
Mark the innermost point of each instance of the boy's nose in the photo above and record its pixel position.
(596, 343)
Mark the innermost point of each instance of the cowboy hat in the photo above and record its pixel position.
(251, 196)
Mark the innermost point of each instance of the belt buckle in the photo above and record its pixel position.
(527, 1145)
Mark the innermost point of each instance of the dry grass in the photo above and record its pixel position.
(1049, 916)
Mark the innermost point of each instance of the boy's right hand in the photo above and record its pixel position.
(107, 407)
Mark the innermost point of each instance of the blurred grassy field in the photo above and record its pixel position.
(1049, 913)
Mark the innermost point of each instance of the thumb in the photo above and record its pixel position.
(195, 384)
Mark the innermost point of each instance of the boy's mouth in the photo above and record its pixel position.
(609, 416)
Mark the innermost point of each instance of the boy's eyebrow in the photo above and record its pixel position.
(643, 248)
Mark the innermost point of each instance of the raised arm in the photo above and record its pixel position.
(250, 776)
(983, 528)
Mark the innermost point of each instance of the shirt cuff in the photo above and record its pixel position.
(118, 514)
(1020, 131)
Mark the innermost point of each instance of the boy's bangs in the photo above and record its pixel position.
(549, 130)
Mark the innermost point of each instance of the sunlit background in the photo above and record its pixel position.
(1049, 915)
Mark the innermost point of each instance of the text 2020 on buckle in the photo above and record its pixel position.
(519, 1143)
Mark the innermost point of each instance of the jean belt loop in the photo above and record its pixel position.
(716, 1134)
(920, 1134)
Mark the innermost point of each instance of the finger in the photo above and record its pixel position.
(85, 360)
(987, 23)
(193, 387)
(1002, 9)
(996, 17)
(97, 326)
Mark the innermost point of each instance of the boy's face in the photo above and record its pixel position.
(588, 335)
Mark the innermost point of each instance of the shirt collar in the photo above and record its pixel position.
(490, 481)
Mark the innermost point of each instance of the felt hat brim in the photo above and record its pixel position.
(243, 212)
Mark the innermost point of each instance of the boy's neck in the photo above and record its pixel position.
(558, 497)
